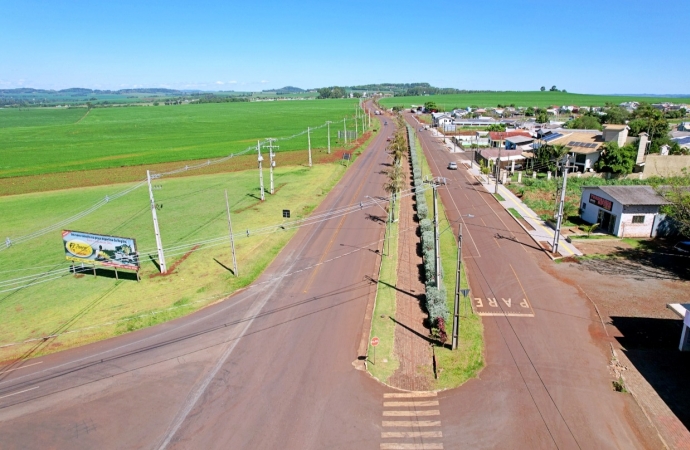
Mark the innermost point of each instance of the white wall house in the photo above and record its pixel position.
(624, 211)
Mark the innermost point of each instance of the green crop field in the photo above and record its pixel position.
(193, 211)
(520, 98)
(39, 140)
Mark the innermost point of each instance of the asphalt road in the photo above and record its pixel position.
(272, 367)
(546, 384)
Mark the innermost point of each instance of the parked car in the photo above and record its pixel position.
(385, 123)
(682, 246)
(452, 165)
(388, 139)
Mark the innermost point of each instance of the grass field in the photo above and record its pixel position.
(193, 210)
(524, 98)
(40, 141)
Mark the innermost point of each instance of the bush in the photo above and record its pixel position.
(426, 225)
(422, 211)
(428, 240)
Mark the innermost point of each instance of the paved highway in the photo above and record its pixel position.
(273, 366)
(546, 384)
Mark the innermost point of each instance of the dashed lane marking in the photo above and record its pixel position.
(429, 412)
(20, 392)
(412, 423)
(409, 394)
(431, 446)
(411, 434)
(423, 403)
(22, 367)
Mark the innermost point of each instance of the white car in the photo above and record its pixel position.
(452, 165)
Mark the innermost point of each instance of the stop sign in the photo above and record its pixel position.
(374, 341)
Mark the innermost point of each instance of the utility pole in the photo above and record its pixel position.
(328, 125)
(456, 305)
(437, 247)
(356, 126)
(272, 163)
(498, 169)
(557, 236)
(309, 143)
(159, 244)
(232, 240)
(261, 170)
(345, 129)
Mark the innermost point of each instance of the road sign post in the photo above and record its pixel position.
(374, 343)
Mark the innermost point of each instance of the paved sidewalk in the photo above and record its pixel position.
(542, 234)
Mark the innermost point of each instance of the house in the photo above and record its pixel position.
(497, 138)
(479, 122)
(684, 126)
(440, 119)
(509, 158)
(624, 211)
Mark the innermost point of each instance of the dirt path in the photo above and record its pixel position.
(411, 345)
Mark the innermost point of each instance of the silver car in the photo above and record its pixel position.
(452, 165)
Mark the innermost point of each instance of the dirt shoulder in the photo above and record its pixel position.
(631, 287)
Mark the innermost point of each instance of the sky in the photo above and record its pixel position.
(584, 46)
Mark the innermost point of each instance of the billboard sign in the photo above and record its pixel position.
(601, 202)
(102, 250)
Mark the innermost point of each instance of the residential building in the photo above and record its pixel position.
(624, 211)
(497, 138)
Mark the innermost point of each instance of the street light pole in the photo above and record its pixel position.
(559, 220)
(437, 247)
(261, 170)
(328, 125)
(456, 304)
(309, 143)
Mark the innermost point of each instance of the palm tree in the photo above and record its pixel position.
(393, 185)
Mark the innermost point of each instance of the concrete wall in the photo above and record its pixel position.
(642, 230)
(665, 166)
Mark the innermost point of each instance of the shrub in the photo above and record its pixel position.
(422, 211)
(426, 225)
(428, 240)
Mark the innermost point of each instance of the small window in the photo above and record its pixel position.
(638, 219)
(584, 205)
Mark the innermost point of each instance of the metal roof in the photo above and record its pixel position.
(632, 195)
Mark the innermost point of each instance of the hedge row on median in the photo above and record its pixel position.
(435, 296)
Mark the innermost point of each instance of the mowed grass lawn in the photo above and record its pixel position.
(520, 98)
(193, 210)
(38, 141)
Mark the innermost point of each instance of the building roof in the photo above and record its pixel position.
(501, 135)
(519, 140)
(632, 195)
(615, 127)
(582, 142)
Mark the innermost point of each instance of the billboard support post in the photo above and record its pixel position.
(159, 244)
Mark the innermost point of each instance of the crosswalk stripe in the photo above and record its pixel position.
(411, 434)
(426, 446)
(409, 394)
(428, 412)
(422, 403)
(411, 423)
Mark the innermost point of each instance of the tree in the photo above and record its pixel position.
(585, 122)
(496, 127)
(590, 228)
(616, 115)
(615, 159)
(430, 106)
(542, 116)
(679, 210)
(543, 89)
(553, 88)
(530, 111)
(393, 185)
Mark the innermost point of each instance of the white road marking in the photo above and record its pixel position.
(411, 423)
(423, 403)
(411, 434)
(409, 394)
(20, 392)
(429, 412)
(22, 367)
(438, 446)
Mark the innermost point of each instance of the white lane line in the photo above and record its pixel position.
(22, 367)
(409, 394)
(411, 434)
(429, 412)
(20, 392)
(411, 423)
(424, 403)
(411, 446)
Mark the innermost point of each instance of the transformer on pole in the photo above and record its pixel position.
(159, 244)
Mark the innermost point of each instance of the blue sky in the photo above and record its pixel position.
(583, 46)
